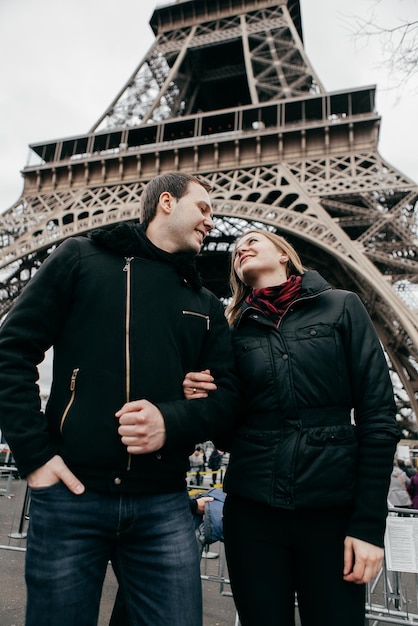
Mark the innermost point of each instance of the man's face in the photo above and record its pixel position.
(190, 220)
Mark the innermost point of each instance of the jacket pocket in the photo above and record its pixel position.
(326, 466)
(202, 316)
(250, 472)
(331, 436)
(73, 381)
(88, 426)
(257, 369)
(315, 331)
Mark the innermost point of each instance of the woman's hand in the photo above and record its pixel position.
(362, 560)
(198, 385)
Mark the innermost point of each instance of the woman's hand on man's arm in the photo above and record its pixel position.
(198, 385)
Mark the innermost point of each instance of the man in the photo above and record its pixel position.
(127, 317)
(214, 463)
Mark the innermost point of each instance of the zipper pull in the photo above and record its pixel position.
(73, 377)
(128, 260)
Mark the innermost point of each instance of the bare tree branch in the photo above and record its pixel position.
(399, 43)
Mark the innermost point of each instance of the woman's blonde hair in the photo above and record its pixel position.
(240, 290)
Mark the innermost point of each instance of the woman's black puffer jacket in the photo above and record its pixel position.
(319, 427)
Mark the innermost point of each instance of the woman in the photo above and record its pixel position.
(310, 464)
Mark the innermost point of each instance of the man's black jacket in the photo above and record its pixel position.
(127, 321)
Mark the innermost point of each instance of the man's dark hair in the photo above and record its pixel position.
(176, 183)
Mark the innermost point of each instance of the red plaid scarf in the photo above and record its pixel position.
(274, 301)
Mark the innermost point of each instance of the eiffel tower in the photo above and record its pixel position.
(226, 92)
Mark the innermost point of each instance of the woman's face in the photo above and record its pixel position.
(258, 262)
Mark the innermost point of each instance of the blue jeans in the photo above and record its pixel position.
(149, 539)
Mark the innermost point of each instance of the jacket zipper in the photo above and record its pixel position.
(71, 400)
(312, 297)
(205, 317)
(127, 269)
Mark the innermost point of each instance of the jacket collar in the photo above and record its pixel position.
(313, 284)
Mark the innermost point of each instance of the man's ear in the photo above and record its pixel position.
(166, 202)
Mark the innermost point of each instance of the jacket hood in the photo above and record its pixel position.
(313, 284)
(131, 240)
(120, 239)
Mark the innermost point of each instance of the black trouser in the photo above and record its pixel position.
(273, 554)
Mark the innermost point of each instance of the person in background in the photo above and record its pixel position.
(197, 465)
(310, 463)
(127, 316)
(406, 467)
(398, 495)
(412, 489)
(214, 464)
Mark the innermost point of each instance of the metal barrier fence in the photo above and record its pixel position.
(201, 477)
(14, 501)
(392, 597)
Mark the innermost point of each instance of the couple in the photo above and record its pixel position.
(106, 464)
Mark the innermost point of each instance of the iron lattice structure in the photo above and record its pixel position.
(227, 92)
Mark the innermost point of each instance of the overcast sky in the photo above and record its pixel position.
(64, 61)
